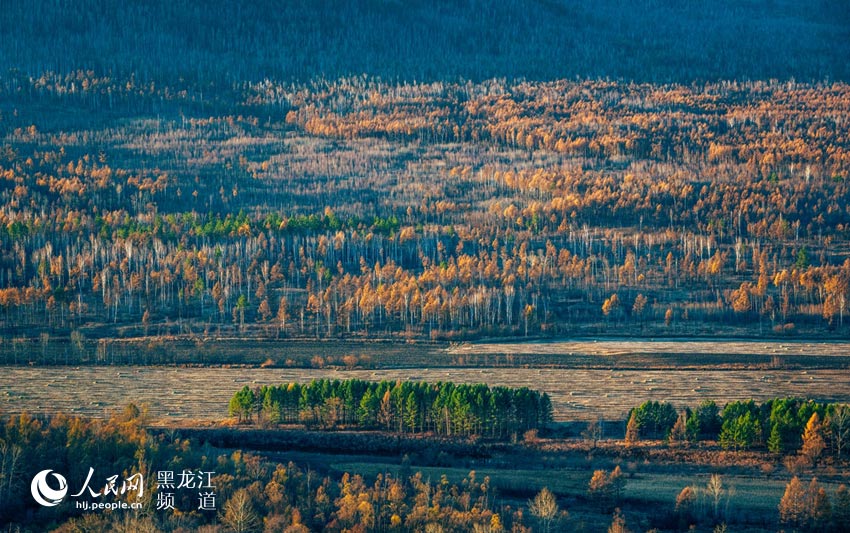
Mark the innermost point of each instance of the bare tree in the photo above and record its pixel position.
(715, 491)
(593, 432)
(839, 425)
(544, 507)
(10, 457)
(134, 523)
(239, 513)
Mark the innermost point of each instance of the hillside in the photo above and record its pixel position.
(369, 169)
(224, 42)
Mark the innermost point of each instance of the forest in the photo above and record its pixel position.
(263, 490)
(212, 45)
(779, 426)
(426, 211)
(403, 407)
(275, 198)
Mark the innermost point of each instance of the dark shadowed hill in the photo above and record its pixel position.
(223, 41)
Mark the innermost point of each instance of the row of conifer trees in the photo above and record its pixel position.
(405, 406)
(781, 425)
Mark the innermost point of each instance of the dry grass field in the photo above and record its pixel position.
(660, 354)
(621, 347)
(186, 394)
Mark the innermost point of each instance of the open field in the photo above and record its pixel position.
(620, 347)
(176, 394)
(659, 354)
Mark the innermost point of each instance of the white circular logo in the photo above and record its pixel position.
(44, 493)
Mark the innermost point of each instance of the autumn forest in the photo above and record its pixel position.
(441, 210)
(447, 189)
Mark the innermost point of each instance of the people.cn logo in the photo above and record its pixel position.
(46, 495)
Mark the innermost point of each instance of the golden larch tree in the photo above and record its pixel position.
(813, 441)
